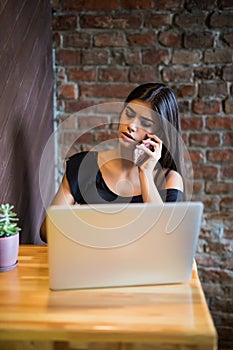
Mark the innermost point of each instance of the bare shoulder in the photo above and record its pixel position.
(63, 195)
(174, 180)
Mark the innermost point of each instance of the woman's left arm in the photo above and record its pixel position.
(173, 185)
(150, 193)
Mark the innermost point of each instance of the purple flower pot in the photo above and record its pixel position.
(9, 248)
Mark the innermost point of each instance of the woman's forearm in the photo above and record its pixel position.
(149, 190)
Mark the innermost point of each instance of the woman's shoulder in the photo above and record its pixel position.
(173, 180)
(168, 178)
(77, 157)
(87, 160)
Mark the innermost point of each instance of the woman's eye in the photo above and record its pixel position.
(129, 114)
(146, 124)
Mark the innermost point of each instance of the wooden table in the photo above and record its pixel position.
(130, 318)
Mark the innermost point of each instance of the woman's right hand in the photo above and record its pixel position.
(148, 152)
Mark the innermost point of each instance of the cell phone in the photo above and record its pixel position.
(139, 155)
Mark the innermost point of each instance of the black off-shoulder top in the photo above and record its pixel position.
(88, 186)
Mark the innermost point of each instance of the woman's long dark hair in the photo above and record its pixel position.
(164, 103)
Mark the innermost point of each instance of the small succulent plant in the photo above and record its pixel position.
(8, 221)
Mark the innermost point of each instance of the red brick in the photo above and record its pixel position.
(145, 39)
(103, 90)
(196, 156)
(95, 57)
(81, 74)
(228, 233)
(220, 156)
(220, 248)
(118, 57)
(155, 56)
(61, 75)
(132, 57)
(60, 104)
(205, 73)
(205, 259)
(90, 5)
(218, 56)
(226, 5)
(213, 89)
(157, 20)
(57, 40)
(168, 4)
(190, 21)
(226, 203)
(55, 5)
(228, 106)
(184, 106)
(219, 187)
(136, 4)
(76, 106)
(71, 137)
(68, 122)
(170, 38)
(175, 74)
(77, 40)
(222, 276)
(142, 74)
(227, 139)
(219, 123)
(227, 73)
(211, 204)
(184, 137)
(64, 22)
(122, 21)
(184, 90)
(113, 74)
(68, 57)
(204, 139)
(221, 20)
(200, 5)
(68, 91)
(198, 186)
(198, 40)
(227, 172)
(89, 122)
(191, 123)
(207, 107)
(185, 57)
(111, 109)
(103, 136)
(205, 172)
(109, 39)
(228, 38)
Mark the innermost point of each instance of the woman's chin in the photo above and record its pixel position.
(127, 143)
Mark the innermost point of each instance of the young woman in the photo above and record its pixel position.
(146, 164)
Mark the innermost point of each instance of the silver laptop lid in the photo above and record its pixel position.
(122, 244)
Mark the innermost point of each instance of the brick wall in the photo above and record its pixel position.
(104, 48)
(26, 107)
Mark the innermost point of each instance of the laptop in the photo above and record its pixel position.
(113, 245)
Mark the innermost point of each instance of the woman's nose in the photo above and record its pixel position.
(133, 124)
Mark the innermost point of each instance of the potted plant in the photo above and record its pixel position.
(9, 238)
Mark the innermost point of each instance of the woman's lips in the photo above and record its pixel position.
(127, 136)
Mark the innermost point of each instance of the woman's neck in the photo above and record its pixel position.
(125, 156)
(119, 158)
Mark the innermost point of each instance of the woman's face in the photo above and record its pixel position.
(137, 120)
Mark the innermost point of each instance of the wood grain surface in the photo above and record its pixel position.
(133, 318)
